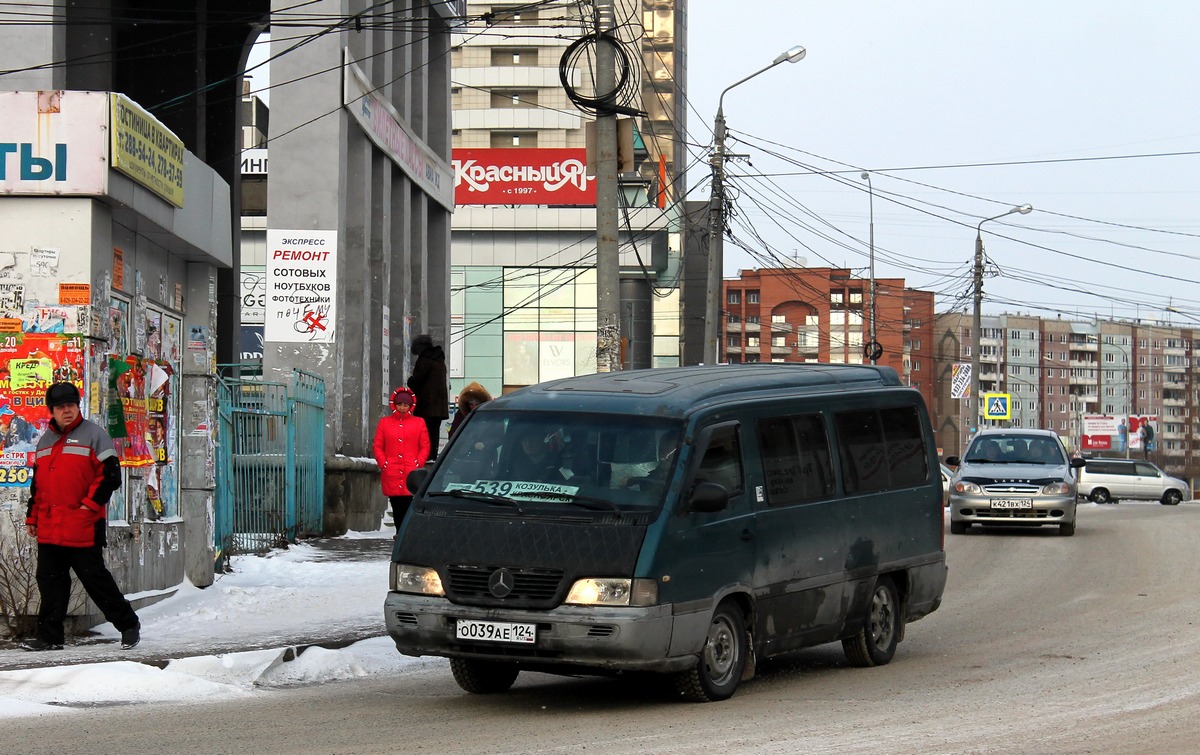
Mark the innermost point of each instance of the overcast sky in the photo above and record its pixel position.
(909, 89)
(962, 110)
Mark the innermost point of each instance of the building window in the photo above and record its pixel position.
(752, 319)
(509, 98)
(916, 365)
(505, 16)
(752, 341)
(779, 341)
(752, 297)
(732, 319)
(514, 56)
(506, 139)
(778, 319)
(733, 341)
(734, 297)
(752, 358)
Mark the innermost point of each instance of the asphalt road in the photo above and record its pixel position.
(1043, 644)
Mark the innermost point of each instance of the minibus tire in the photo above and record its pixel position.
(1172, 497)
(722, 661)
(875, 643)
(1100, 495)
(483, 677)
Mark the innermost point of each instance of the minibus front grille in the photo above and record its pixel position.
(472, 584)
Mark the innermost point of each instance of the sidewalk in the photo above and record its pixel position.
(325, 592)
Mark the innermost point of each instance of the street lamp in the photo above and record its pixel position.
(872, 349)
(977, 319)
(716, 222)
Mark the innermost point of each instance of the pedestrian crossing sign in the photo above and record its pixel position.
(997, 406)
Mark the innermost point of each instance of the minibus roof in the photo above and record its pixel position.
(675, 391)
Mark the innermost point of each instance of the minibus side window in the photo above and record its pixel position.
(881, 449)
(905, 446)
(722, 460)
(796, 459)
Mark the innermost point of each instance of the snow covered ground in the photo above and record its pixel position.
(288, 598)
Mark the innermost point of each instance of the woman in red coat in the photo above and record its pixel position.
(401, 445)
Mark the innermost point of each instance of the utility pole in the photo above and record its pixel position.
(716, 245)
(977, 317)
(872, 343)
(608, 269)
(716, 216)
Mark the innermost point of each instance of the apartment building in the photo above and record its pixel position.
(803, 314)
(1058, 371)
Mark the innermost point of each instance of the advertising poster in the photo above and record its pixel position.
(523, 176)
(159, 495)
(301, 286)
(128, 411)
(29, 363)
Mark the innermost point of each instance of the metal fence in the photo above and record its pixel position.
(270, 474)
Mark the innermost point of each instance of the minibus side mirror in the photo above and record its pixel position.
(952, 461)
(1077, 462)
(708, 497)
(416, 479)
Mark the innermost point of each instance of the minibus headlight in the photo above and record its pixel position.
(421, 580)
(606, 591)
(1057, 488)
(967, 487)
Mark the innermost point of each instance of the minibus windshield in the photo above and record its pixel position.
(588, 461)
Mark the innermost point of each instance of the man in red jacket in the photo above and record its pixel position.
(75, 470)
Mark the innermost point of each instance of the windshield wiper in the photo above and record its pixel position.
(572, 498)
(981, 460)
(476, 495)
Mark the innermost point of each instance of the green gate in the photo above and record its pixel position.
(270, 473)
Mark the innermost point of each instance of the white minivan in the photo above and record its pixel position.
(1110, 480)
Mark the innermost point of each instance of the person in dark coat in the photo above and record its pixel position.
(75, 471)
(470, 397)
(430, 382)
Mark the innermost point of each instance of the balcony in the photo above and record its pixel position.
(782, 327)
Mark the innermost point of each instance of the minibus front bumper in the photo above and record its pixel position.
(610, 638)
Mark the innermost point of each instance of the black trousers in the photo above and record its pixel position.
(400, 504)
(434, 426)
(54, 567)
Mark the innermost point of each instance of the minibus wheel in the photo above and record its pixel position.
(483, 677)
(875, 643)
(1100, 495)
(1172, 497)
(722, 661)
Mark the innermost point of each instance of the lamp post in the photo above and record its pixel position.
(716, 221)
(977, 318)
(872, 350)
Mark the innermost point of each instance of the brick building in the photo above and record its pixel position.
(821, 314)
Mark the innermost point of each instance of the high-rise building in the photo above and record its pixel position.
(523, 276)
